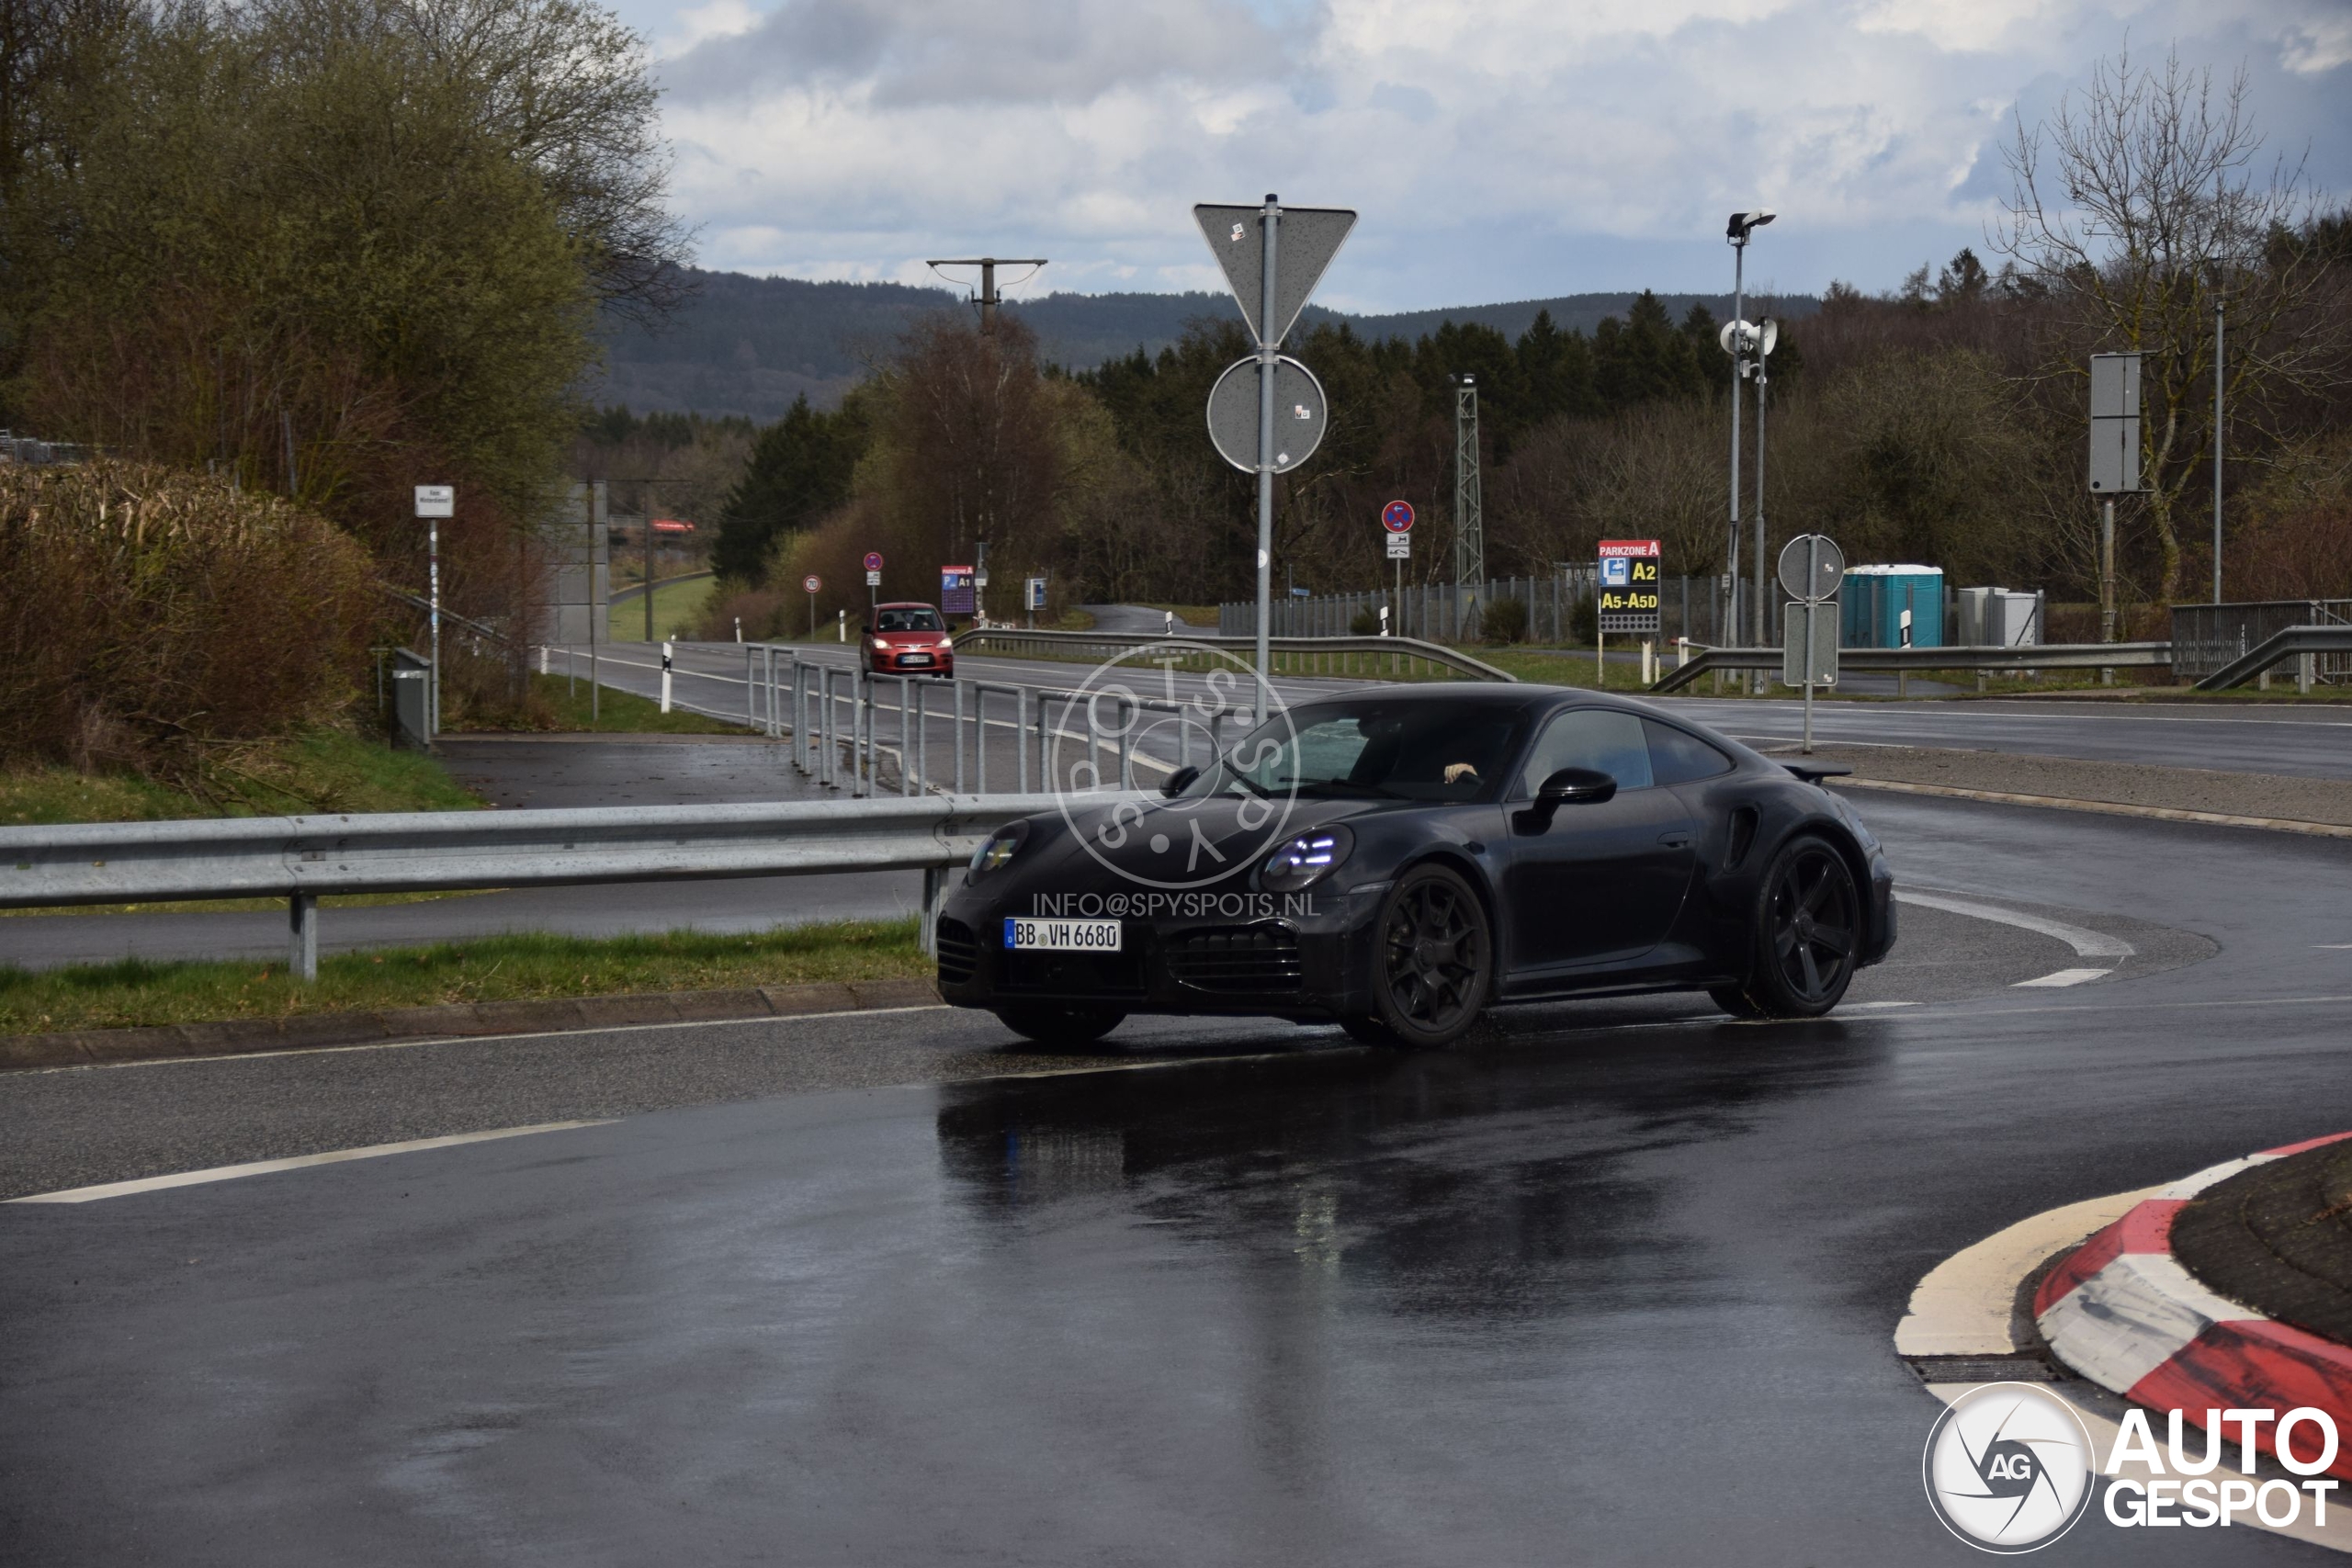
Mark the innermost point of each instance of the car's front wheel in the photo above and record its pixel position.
(1061, 1026)
(1433, 962)
(1808, 929)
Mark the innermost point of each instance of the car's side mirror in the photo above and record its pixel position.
(1569, 786)
(1575, 787)
(1180, 781)
(864, 631)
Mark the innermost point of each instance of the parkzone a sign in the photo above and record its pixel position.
(1627, 586)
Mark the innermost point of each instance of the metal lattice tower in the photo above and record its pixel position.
(1469, 516)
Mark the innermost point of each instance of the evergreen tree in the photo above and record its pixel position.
(1646, 359)
(800, 470)
(1556, 367)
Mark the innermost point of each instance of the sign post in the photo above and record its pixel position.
(1397, 517)
(2114, 467)
(813, 584)
(433, 504)
(1812, 569)
(873, 586)
(1625, 597)
(1272, 284)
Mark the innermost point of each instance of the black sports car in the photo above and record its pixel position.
(1400, 859)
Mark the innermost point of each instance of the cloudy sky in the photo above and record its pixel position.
(1503, 150)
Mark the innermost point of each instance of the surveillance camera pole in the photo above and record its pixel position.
(1739, 237)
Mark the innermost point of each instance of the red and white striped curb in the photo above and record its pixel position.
(2121, 1311)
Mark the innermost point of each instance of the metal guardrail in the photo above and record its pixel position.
(303, 859)
(1365, 656)
(2294, 642)
(2036, 656)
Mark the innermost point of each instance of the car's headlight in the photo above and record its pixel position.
(1299, 864)
(881, 646)
(999, 848)
(946, 646)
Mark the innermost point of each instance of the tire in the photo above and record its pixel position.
(1808, 927)
(1060, 1026)
(1433, 960)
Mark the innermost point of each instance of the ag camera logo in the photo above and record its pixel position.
(2007, 1468)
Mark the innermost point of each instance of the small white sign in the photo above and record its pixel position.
(437, 500)
(873, 579)
(1400, 547)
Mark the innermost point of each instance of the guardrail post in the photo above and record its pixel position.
(935, 894)
(906, 742)
(829, 729)
(922, 738)
(302, 937)
(1129, 714)
(1021, 736)
(959, 733)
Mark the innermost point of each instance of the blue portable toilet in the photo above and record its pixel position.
(1875, 600)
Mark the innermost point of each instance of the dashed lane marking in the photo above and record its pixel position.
(2065, 978)
(263, 1167)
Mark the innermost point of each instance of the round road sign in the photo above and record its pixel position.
(1301, 413)
(812, 583)
(1812, 568)
(874, 560)
(1398, 516)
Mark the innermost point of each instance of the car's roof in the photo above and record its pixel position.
(1514, 693)
(904, 604)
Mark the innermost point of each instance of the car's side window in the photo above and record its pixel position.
(1677, 757)
(1600, 738)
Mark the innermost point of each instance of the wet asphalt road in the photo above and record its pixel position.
(1616, 1285)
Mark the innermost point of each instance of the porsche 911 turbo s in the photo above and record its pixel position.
(1397, 861)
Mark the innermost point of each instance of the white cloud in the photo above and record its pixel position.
(1497, 150)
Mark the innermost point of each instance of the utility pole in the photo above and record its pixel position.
(2217, 434)
(1268, 340)
(1469, 515)
(988, 298)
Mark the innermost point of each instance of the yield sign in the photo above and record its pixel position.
(1305, 239)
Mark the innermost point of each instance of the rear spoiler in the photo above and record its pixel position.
(1813, 772)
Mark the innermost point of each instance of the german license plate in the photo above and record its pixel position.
(1062, 936)
(916, 658)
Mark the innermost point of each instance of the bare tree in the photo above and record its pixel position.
(2137, 202)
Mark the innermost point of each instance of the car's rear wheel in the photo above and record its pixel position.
(1808, 929)
(1061, 1026)
(1434, 963)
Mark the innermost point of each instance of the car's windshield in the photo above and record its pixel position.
(920, 620)
(1375, 748)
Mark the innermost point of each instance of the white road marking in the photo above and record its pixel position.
(1963, 1306)
(2086, 943)
(263, 1167)
(2334, 947)
(1857, 1007)
(2065, 978)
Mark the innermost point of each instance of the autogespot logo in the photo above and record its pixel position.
(1151, 709)
(2009, 1467)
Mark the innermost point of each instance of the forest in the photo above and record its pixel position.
(1942, 422)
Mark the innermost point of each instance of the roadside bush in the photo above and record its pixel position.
(1366, 623)
(1505, 621)
(146, 614)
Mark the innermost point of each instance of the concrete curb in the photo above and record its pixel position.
(2122, 1311)
(2105, 807)
(90, 1047)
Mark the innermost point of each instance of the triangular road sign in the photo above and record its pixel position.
(1305, 243)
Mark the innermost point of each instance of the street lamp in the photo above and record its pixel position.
(1736, 232)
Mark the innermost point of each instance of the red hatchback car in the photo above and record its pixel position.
(909, 639)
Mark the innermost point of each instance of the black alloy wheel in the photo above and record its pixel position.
(1434, 962)
(1060, 1026)
(1808, 929)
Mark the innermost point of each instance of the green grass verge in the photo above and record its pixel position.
(560, 706)
(1200, 617)
(525, 966)
(318, 771)
(678, 606)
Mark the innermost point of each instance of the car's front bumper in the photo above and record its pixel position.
(1308, 956)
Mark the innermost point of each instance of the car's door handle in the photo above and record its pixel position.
(1677, 840)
